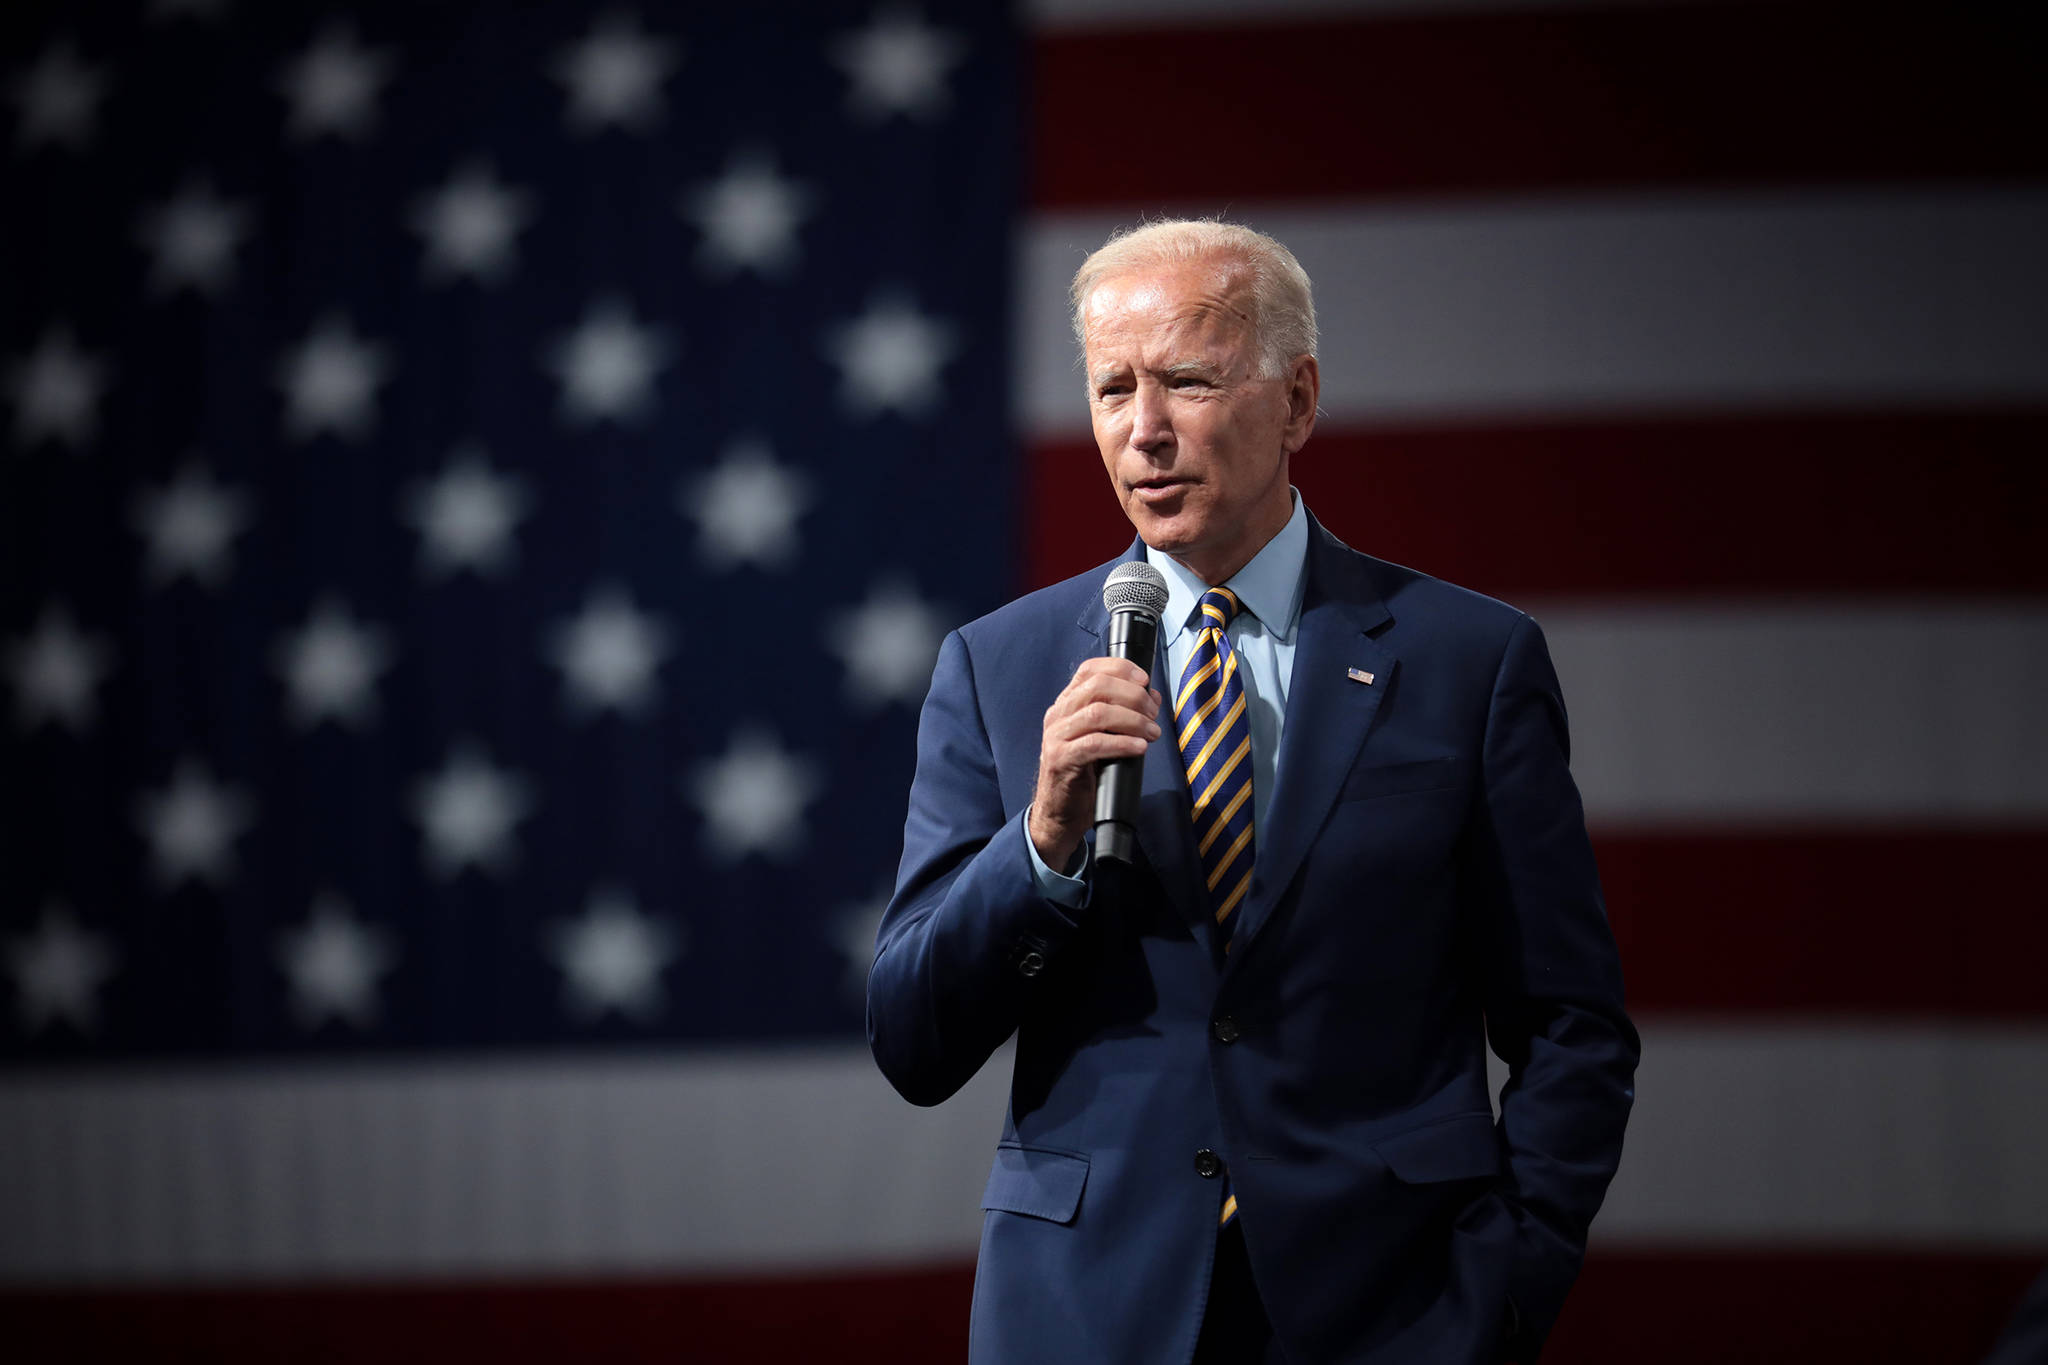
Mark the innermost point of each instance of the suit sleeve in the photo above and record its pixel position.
(1551, 980)
(968, 932)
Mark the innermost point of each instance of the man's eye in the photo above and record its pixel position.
(1189, 381)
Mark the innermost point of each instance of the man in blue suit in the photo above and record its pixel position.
(1249, 1118)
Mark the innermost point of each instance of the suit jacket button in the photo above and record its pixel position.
(1224, 1030)
(1208, 1165)
(1031, 963)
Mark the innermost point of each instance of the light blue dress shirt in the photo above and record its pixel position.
(1269, 591)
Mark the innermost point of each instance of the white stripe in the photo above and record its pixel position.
(1836, 1135)
(726, 1162)
(1927, 712)
(695, 1162)
(1725, 302)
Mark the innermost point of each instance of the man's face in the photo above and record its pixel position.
(1196, 446)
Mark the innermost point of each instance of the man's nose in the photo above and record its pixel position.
(1151, 427)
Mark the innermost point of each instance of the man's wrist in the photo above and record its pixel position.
(1065, 855)
(1068, 888)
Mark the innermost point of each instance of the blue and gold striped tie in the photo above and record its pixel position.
(1216, 749)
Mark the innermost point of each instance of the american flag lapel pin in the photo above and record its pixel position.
(1360, 675)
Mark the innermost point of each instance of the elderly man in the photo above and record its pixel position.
(1249, 1119)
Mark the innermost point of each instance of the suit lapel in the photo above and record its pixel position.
(1166, 829)
(1330, 707)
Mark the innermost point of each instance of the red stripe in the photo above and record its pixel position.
(1945, 923)
(1467, 104)
(1759, 1307)
(1764, 1306)
(1941, 502)
(884, 1317)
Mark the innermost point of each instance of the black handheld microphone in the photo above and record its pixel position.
(1135, 594)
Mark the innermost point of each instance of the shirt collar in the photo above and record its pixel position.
(1269, 587)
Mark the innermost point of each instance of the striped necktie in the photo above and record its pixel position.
(1216, 750)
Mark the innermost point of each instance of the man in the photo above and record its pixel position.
(1249, 1118)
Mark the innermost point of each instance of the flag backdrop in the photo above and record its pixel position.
(484, 485)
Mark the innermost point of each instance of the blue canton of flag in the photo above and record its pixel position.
(485, 487)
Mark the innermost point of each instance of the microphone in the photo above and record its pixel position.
(1135, 594)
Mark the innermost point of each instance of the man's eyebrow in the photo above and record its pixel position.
(1179, 369)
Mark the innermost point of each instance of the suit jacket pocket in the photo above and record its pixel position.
(1396, 779)
(1461, 1147)
(1037, 1182)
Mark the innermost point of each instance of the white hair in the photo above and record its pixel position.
(1283, 310)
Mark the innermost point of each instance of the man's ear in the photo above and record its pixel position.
(1304, 387)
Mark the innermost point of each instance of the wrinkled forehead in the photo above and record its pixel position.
(1180, 305)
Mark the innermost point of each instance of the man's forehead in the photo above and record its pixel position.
(1209, 277)
(1178, 311)
(1199, 288)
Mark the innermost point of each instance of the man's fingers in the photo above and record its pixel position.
(1104, 666)
(1068, 730)
(1086, 691)
(1112, 718)
(1119, 677)
(1084, 751)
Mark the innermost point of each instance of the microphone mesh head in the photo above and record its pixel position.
(1135, 584)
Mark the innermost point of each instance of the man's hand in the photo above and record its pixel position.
(1107, 711)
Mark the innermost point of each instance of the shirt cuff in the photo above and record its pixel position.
(1057, 887)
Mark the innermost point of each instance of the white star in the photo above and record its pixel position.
(334, 960)
(188, 525)
(56, 390)
(608, 654)
(332, 85)
(890, 358)
(746, 508)
(749, 218)
(469, 224)
(897, 65)
(467, 812)
(59, 97)
(192, 240)
(57, 972)
(613, 956)
(854, 930)
(330, 667)
(57, 670)
(607, 364)
(889, 644)
(330, 381)
(614, 75)
(753, 798)
(465, 515)
(192, 825)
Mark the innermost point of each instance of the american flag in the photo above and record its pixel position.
(485, 485)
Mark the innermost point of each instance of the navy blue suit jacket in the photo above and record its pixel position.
(1423, 881)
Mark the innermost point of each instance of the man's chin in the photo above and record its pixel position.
(1167, 532)
(1164, 542)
